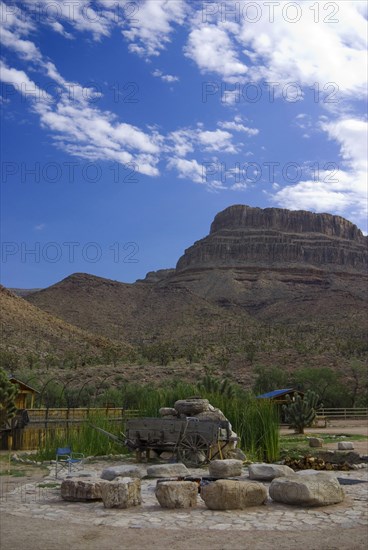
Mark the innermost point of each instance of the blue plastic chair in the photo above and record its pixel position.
(65, 458)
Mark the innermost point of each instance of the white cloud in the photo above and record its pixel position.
(186, 140)
(187, 169)
(22, 83)
(165, 77)
(213, 51)
(151, 32)
(39, 227)
(79, 15)
(306, 52)
(237, 125)
(86, 131)
(343, 191)
(216, 141)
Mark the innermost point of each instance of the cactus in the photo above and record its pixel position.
(301, 411)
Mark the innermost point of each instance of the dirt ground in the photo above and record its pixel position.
(25, 533)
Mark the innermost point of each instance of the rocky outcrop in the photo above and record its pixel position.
(243, 236)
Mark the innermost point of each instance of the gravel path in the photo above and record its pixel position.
(35, 517)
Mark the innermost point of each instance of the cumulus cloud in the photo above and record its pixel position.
(212, 49)
(165, 77)
(237, 125)
(311, 49)
(345, 190)
(187, 169)
(153, 26)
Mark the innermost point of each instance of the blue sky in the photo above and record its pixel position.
(126, 126)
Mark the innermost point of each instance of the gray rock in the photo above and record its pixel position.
(123, 471)
(177, 494)
(168, 470)
(307, 490)
(268, 472)
(237, 454)
(315, 442)
(215, 415)
(168, 411)
(225, 468)
(121, 493)
(226, 494)
(345, 445)
(192, 406)
(81, 489)
(81, 473)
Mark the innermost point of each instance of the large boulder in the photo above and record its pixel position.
(225, 468)
(113, 472)
(168, 470)
(345, 445)
(177, 494)
(168, 411)
(315, 442)
(191, 406)
(227, 494)
(81, 489)
(268, 472)
(121, 493)
(307, 490)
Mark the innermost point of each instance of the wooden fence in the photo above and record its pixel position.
(78, 415)
(58, 422)
(345, 414)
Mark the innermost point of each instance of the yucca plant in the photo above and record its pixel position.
(300, 412)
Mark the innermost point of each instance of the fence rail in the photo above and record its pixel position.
(80, 414)
(346, 414)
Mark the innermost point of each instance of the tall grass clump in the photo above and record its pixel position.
(259, 430)
(83, 438)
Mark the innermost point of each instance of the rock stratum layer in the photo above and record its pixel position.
(242, 236)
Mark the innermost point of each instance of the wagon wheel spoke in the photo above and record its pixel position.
(193, 450)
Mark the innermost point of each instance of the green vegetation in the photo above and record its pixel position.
(13, 472)
(295, 445)
(255, 421)
(301, 411)
(83, 439)
(336, 389)
(8, 393)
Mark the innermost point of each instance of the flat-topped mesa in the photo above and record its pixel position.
(287, 221)
(243, 236)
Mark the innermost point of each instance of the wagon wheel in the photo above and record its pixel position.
(193, 450)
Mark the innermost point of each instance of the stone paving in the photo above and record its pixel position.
(36, 500)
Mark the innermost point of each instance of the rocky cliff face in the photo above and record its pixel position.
(273, 238)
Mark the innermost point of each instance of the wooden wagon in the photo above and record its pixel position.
(191, 440)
